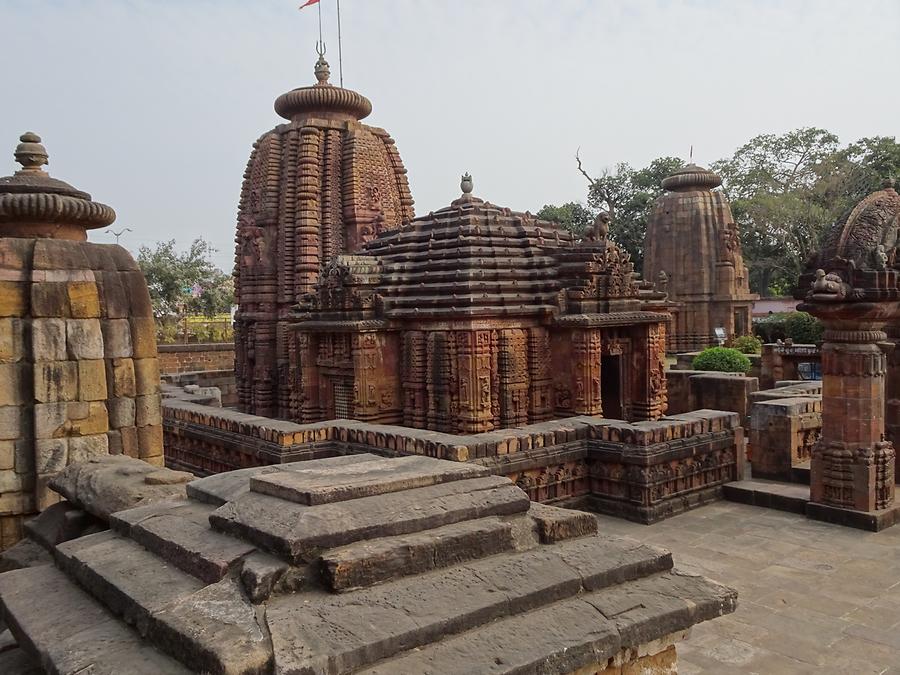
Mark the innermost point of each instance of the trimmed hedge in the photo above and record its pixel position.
(747, 344)
(800, 327)
(722, 359)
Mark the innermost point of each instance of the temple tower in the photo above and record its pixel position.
(692, 241)
(318, 186)
(79, 376)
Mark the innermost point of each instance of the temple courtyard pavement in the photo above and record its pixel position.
(813, 597)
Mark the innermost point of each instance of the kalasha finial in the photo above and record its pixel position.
(322, 69)
(466, 184)
(30, 153)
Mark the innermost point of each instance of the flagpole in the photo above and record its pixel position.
(340, 56)
(319, 5)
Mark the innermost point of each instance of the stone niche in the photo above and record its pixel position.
(78, 362)
(355, 564)
(693, 245)
(321, 185)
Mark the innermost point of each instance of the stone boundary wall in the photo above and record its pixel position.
(633, 468)
(182, 358)
(785, 423)
(685, 361)
(703, 389)
(223, 380)
(780, 362)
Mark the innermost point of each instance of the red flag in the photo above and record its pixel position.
(308, 3)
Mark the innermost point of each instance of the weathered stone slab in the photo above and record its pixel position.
(225, 487)
(556, 524)
(71, 632)
(126, 578)
(215, 630)
(341, 482)
(368, 562)
(193, 548)
(16, 661)
(25, 553)
(649, 608)
(113, 483)
(562, 638)
(339, 633)
(297, 532)
(606, 560)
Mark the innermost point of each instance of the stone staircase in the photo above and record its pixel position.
(349, 564)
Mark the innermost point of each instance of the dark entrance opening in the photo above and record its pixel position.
(611, 386)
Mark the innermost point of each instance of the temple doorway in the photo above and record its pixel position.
(611, 386)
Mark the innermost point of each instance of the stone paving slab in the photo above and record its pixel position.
(813, 597)
(324, 484)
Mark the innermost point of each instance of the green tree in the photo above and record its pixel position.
(628, 194)
(573, 216)
(173, 278)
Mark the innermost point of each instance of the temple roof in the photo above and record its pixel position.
(470, 258)
(691, 177)
(32, 203)
(323, 98)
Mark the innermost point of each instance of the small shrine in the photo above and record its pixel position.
(474, 318)
(692, 249)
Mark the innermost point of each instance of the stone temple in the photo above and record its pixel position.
(78, 368)
(320, 185)
(693, 248)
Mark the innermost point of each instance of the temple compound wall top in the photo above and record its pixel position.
(475, 318)
(78, 362)
(320, 185)
(693, 247)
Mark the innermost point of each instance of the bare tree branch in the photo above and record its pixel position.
(583, 172)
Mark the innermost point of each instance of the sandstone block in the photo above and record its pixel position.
(113, 298)
(138, 297)
(12, 343)
(13, 298)
(123, 377)
(55, 381)
(143, 337)
(117, 338)
(48, 340)
(92, 380)
(24, 459)
(121, 412)
(50, 299)
(44, 496)
(84, 299)
(84, 338)
(16, 503)
(150, 441)
(14, 389)
(10, 422)
(130, 446)
(147, 410)
(7, 455)
(51, 455)
(84, 448)
(10, 481)
(146, 376)
(50, 420)
(115, 442)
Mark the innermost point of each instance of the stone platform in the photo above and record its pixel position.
(341, 565)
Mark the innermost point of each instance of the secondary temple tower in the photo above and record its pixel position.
(692, 243)
(318, 186)
(78, 368)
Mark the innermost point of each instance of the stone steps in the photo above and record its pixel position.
(68, 632)
(593, 628)
(182, 536)
(297, 533)
(210, 628)
(790, 497)
(329, 633)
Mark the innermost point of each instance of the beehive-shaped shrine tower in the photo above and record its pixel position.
(321, 185)
(693, 242)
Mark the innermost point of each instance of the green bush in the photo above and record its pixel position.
(722, 359)
(747, 344)
(800, 327)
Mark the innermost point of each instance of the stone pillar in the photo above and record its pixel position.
(586, 395)
(853, 465)
(892, 389)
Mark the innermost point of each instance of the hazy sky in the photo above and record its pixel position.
(152, 105)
